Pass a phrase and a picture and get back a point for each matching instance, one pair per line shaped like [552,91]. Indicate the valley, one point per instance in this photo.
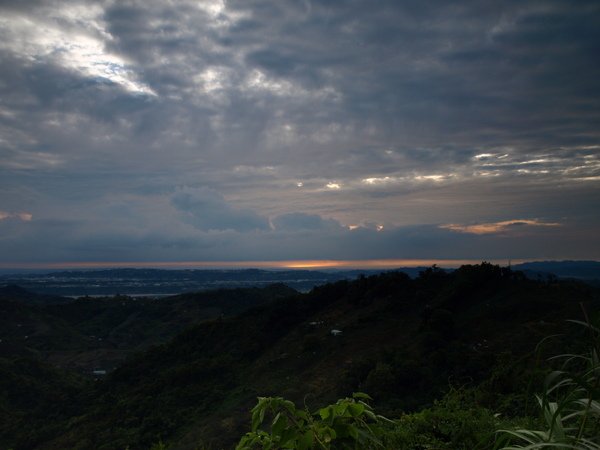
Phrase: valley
[185,370]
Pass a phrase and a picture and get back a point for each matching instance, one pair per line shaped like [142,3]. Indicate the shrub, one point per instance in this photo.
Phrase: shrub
[570,404]
[456,422]
[350,423]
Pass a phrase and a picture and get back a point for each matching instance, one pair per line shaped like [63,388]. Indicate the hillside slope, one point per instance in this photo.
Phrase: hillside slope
[403,341]
[48,350]
[99,333]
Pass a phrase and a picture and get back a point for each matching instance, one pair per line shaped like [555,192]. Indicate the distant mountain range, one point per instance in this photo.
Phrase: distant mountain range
[582,270]
[185,370]
[162,282]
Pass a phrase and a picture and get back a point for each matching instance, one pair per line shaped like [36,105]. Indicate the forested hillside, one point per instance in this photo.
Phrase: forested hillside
[406,342]
[98,333]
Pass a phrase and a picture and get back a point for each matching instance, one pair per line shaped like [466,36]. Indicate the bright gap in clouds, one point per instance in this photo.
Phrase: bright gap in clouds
[80,47]
[23,216]
[497,227]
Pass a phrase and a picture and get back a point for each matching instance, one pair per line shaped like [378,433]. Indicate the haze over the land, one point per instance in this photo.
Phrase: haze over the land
[153,131]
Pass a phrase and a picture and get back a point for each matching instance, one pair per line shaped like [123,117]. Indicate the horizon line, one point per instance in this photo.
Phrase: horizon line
[284,264]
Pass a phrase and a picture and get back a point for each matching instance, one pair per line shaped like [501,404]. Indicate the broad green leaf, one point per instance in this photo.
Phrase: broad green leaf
[279,424]
[289,406]
[289,436]
[329,434]
[356,409]
[325,412]
[361,395]
[353,432]
[306,441]
[302,414]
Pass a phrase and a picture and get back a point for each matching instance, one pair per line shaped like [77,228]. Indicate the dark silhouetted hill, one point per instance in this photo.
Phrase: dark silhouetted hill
[582,270]
[98,333]
[402,340]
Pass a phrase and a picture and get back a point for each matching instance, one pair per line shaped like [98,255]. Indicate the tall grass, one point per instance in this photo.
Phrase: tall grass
[570,403]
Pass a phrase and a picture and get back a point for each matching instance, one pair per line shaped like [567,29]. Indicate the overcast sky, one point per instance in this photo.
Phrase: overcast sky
[249,130]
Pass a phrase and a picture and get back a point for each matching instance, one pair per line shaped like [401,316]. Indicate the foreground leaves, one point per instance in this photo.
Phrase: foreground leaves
[570,403]
[350,423]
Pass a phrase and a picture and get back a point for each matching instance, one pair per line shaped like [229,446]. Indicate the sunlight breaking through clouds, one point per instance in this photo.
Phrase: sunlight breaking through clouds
[379,180]
[80,46]
[165,129]
[497,227]
[26,160]
[220,15]
[412,178]
[212,79]
[575,163]
[259,81]
[435,178]
[23,216]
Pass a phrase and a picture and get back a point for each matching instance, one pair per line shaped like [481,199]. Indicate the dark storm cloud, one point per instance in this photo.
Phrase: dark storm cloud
[301,221]
[207,210]
[79,242]
[259,125]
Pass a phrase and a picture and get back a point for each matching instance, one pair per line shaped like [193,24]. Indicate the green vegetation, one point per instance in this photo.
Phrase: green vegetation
[450,357]
[100,333]
[456,422]
[570,403]
[350,423]
[453,423]
[35,400]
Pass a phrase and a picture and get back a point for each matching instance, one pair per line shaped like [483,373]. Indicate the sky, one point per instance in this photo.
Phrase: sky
[260,130]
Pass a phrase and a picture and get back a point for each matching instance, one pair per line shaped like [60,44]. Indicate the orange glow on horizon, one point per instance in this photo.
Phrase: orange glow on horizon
[293,264]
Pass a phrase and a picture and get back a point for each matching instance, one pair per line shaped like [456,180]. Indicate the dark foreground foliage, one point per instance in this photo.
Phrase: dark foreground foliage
[468,339]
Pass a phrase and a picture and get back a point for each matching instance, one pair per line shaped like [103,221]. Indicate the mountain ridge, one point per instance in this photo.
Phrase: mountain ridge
[167,282]
[402,340]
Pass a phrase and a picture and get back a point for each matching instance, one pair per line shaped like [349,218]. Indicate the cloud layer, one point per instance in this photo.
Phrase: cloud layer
[232,130]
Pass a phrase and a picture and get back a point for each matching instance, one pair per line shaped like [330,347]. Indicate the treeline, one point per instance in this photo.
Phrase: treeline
[440,346]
